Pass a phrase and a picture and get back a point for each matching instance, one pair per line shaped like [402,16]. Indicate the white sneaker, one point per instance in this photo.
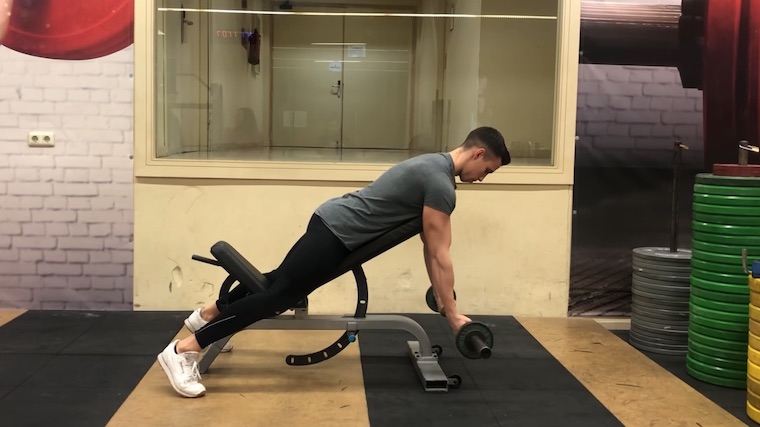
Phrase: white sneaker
[194,322]
[182,370]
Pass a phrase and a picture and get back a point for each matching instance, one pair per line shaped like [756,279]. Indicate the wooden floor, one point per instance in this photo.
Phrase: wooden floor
[568,371]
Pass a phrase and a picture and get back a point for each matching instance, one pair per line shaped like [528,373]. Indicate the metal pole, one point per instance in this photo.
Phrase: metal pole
[677,147]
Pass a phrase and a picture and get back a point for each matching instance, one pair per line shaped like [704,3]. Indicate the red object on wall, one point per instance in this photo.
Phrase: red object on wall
[720,102]
[70,29]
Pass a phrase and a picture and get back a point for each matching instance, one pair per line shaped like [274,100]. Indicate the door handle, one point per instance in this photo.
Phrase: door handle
[336,89]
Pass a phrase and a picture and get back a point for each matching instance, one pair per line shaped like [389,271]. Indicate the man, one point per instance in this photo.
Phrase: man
[423,186]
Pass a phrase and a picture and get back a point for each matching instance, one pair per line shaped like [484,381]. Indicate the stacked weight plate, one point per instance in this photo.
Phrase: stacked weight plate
[660,300]
[726,219]
[753,351]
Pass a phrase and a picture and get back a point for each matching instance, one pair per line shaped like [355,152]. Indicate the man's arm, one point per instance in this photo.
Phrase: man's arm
[436,230]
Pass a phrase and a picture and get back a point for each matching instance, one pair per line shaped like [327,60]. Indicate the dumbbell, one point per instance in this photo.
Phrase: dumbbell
[475,340]
[430,299]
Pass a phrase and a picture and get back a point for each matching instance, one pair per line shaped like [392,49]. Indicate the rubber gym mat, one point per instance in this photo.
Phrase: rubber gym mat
[520,385]
[732,400]
[76,368]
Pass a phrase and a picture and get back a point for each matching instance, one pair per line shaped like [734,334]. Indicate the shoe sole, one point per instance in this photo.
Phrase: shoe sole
[227,347]
[171,379]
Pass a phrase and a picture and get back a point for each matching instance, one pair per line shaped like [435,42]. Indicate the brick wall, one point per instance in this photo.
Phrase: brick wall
[629,116]
[66,211]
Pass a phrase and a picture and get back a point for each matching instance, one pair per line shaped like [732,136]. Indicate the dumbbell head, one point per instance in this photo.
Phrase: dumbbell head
[474,340]
[430,299]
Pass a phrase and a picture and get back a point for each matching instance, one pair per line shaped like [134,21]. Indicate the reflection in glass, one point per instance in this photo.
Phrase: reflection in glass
[372,81]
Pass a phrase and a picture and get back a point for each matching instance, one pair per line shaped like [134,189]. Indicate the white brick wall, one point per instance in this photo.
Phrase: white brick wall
[629,116]
[66,211]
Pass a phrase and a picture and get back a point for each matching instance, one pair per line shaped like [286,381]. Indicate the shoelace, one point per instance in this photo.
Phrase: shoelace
[194,374]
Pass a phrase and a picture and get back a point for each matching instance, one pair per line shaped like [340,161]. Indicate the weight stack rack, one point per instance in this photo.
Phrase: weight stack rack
[753,351]
[726,220]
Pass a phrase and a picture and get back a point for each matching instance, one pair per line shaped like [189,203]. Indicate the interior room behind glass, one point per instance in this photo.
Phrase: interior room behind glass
[362,81]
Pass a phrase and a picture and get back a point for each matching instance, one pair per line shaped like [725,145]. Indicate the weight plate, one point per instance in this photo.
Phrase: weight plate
[648,306]
[725,219]
[753,370]
[654,339]
[719,258]
[661,269]
[665,313]
[737,346]
[661,279]
[719,324]
[716,370]
[753,355]
[710,285]
[753,399]
[680,304]
[719,306]
[715,380]
[754,312]
[729,169]
[70,30]
[717,352]
[727,190]
[736,201]
[741,241]
[718,315]
[716,361]
[708,178]
[726,249]
[660,284]
[717,333]
[467,333]
[739,230]
[753,340]
[724,210]
[729,279]
[657,327]
[660,318]
[720,296]
[662,254]
[753,413]
[754,297]
[666,350]
[754,286]
[753,384]
[754,327]
[714,267]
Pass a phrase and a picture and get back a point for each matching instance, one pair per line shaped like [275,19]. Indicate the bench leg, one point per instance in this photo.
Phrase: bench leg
[209,355]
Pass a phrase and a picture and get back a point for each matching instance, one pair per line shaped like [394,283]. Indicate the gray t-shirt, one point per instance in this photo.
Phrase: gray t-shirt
[396,197]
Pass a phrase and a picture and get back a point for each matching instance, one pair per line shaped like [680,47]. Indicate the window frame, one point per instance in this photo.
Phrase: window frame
[147,165]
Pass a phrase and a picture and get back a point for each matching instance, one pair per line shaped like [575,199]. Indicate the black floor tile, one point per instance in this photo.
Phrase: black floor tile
[77,371]
[17,368]
[509,389]
[4,391]
[61,407]
[47,332]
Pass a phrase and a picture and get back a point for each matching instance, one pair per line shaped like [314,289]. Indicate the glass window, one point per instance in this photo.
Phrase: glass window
[369,81]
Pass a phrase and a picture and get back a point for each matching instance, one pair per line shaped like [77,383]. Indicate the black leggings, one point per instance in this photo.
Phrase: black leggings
[306,267]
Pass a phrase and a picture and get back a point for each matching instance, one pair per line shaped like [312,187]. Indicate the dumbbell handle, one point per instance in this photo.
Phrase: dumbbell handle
[476,343]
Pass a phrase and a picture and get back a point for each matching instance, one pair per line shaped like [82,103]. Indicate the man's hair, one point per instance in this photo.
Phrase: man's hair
[490,139]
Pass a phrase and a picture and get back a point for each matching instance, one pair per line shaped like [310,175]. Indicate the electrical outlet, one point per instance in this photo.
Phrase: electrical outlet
[41,139]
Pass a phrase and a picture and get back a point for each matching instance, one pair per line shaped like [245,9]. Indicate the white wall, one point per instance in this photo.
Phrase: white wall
[66,211]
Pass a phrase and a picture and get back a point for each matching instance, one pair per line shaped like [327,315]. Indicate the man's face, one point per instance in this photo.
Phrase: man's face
[479,166]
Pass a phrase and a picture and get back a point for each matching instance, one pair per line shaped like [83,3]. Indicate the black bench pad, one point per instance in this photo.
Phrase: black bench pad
[235,264]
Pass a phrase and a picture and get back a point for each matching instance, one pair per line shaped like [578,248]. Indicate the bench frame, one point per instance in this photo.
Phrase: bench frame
[421,352]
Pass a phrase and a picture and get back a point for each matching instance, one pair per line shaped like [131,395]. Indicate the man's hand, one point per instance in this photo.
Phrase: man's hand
[456,321]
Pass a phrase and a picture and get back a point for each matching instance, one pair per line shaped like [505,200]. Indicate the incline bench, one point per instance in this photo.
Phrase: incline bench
[424,357]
